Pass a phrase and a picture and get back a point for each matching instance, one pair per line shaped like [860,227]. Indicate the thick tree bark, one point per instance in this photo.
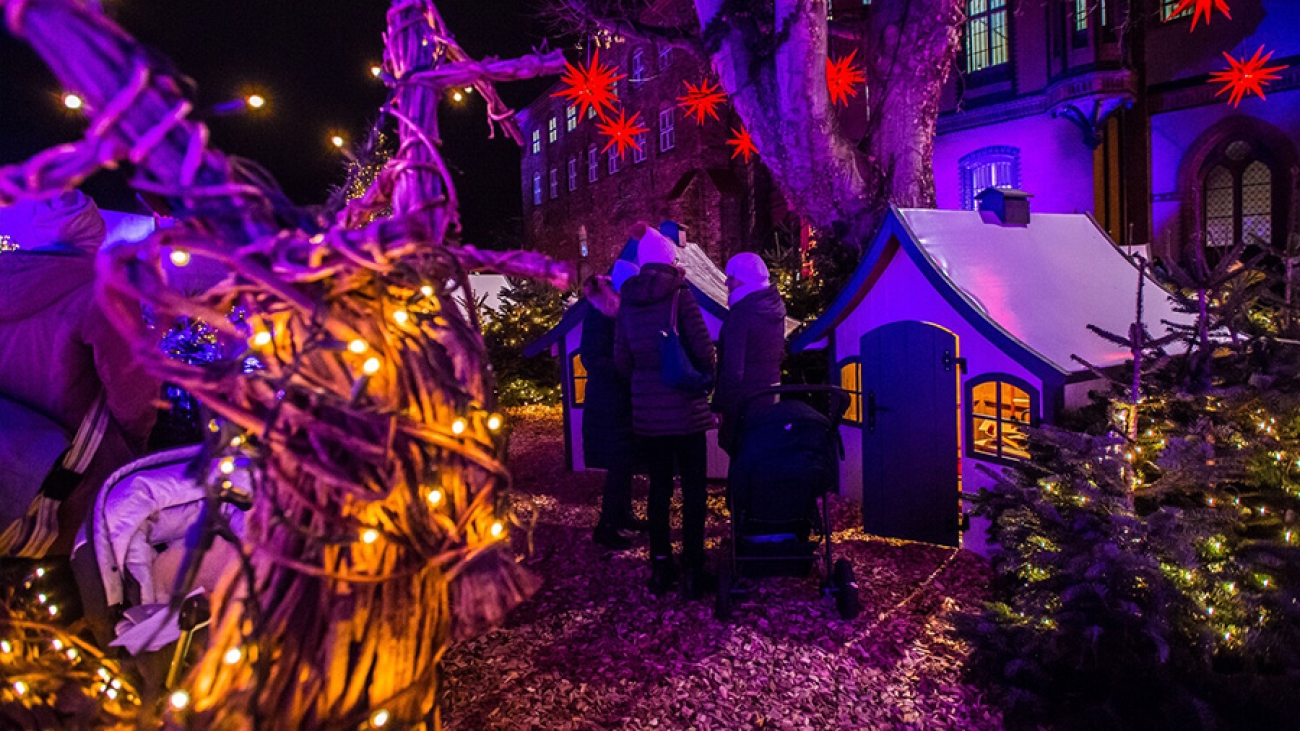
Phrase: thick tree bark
[781,96]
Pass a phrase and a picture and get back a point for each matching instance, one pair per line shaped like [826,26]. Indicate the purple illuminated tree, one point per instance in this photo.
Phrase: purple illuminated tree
[771,60]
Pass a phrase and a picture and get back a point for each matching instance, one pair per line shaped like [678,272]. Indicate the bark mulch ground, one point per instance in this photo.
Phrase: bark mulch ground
[595,650]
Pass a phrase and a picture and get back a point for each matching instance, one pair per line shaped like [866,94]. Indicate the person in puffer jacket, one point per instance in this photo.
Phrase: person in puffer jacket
[671,422]
[751,343]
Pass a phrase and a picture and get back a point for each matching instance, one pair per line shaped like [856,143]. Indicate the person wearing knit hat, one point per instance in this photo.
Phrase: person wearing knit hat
[607,439]
[751,343]
[58,352]
[670,420]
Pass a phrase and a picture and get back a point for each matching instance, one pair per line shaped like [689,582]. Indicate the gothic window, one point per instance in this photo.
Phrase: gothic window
[986,34]
[999,408]
[989,167]
[1237,196]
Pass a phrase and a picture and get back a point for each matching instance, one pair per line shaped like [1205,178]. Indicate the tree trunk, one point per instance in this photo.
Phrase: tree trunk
[781,95]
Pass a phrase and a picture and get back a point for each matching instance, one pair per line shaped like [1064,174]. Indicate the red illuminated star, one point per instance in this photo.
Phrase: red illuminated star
[1203,7]
[743,143]
[1243,77]
[621,131]
[842,77]
[590,87]
[701,100]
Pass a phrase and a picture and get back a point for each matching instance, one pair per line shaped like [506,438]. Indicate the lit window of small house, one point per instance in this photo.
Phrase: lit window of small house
[578,393]
[986,34]
[850,375]
[988,167]
[537,141]
[667,131]
[638,68]
[573,174]
[613,159]
[1000,406]
[570,118]
[537,189]
[638,152]
[1169,6]
[593,164]
[552,130]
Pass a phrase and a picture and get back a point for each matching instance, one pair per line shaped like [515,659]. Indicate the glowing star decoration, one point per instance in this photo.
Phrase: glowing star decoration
[743,143]
[1203,7]
[842,77]
[1242,77]
[590,88]
[701,100]
[622,131]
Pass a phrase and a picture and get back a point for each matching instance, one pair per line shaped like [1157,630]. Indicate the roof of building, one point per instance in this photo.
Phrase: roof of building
[706,280]
[1031,289]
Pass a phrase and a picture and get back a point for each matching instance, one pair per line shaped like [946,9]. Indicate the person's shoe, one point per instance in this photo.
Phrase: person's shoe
[698,583]
[631,522]
[662,575]
[608,536]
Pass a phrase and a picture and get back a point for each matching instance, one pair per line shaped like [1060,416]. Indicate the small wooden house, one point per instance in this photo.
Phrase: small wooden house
[955,332]
[709,285]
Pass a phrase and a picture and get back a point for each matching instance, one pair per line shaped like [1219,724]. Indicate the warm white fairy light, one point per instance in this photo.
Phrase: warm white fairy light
[72,654]
[111,693]
[337,141]
[497,529]
[54,610]
[5,647]
[400,317]
[226,465]
[213,426]
[256,101]
[458,426]
[379,718]
[20,687]
[261,339]
[233,655]
[494,422]
[369,535]
[358,346]
[435,497]
[73,101]
[371,366]
[179,699]
[40,571]
[426,290]
[57,644]
[42,598]
[376,71]
[180,257]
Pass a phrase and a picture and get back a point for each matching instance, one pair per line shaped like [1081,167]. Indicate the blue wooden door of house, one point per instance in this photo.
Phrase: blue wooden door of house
[910,423]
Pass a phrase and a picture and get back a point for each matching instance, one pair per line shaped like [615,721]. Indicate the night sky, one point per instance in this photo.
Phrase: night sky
[311,59]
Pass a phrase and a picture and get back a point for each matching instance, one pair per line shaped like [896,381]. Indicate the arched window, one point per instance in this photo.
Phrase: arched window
[998,407]
[578,374]
[850,379]
[988,167]
[1239,197]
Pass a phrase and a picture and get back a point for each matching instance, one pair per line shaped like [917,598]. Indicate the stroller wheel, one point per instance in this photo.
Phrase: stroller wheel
[722,605]
[846,589]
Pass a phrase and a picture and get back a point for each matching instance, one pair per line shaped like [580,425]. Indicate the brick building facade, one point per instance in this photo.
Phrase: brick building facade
[579,200]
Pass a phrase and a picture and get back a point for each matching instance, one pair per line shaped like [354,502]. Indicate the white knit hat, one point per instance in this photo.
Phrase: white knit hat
[655,248]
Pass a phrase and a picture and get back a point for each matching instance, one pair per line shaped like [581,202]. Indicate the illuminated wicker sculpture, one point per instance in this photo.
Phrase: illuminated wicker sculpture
[354,385]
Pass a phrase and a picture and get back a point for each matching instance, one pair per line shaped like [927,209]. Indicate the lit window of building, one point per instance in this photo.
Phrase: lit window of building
[988,167]
[986,34]
[1001,406]
[570,118]
[537,141]
[552,130]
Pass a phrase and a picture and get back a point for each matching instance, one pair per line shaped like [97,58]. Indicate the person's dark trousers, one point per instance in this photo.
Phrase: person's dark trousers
[688,453]
[616,501]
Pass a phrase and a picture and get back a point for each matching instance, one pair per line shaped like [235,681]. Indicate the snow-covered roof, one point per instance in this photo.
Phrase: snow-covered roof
[1040,284]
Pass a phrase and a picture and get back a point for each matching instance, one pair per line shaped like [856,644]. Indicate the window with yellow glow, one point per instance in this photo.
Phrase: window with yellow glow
[851,381]
[1000,407]
[579,390]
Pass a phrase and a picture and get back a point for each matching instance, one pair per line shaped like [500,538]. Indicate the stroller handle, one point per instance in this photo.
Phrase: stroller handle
[839,398]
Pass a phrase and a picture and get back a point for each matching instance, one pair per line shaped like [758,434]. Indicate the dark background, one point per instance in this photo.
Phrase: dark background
[311,59]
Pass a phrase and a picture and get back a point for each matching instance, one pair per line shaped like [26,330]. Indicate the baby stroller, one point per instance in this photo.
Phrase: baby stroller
[788,457]
[135,548]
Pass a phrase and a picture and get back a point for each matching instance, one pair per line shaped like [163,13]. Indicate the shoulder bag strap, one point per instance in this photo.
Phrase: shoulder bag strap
[672,316]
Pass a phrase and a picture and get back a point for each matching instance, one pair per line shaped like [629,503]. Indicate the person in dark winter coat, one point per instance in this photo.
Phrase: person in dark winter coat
[671,422]
[607,439]
[58,350]
[750,344]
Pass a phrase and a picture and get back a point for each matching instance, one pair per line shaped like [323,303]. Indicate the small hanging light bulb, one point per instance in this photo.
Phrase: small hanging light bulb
[40,571]
[371,366]
[20,687]
[358,346]
[337,141]
[73,101]
[261,339]
[426,290]
[497,529]
[458,426]
[57,644]
[400,317]
[256,101]
[237,440]
[379,718]
[179,699]
[369,535]
[375,71]
[54,610]
[233,656]
[180,257]
[213,426]
[5,647]
[42,598]
[72,654]
[494,422]
[111,693]
[226,465]
[435,497]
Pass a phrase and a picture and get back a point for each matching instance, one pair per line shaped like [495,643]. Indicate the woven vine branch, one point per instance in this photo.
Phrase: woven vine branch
[353,383]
